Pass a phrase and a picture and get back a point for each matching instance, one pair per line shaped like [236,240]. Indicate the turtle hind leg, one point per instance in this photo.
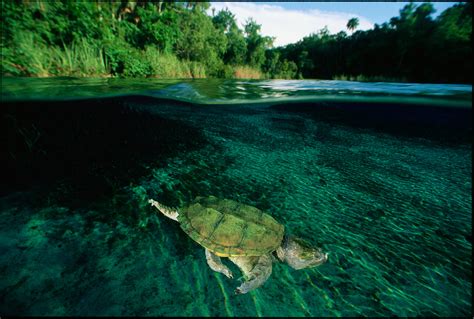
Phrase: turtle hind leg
[165,210]
[256,272]
[215,263]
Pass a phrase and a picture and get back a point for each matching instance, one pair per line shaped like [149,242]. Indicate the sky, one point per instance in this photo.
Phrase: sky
[289,22]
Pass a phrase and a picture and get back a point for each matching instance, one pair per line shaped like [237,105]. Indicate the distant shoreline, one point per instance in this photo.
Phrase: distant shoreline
[180,40]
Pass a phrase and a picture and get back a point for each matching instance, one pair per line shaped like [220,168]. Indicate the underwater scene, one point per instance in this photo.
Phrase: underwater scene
[377,175]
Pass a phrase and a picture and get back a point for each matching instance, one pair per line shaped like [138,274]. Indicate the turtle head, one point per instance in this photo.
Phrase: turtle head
[299,254]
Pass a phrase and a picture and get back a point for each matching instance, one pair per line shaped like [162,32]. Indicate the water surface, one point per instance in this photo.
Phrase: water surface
[377,174]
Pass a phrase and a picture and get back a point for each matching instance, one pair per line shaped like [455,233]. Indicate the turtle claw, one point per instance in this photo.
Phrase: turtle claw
[229,274]
[238,291]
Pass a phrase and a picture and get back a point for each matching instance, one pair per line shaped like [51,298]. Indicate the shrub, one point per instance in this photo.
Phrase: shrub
[124,60]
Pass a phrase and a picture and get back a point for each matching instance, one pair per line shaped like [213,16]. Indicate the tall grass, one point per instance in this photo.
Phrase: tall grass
[167,65]
[246,72]
[164,65]
[81,58]
[32,57]
[197,69]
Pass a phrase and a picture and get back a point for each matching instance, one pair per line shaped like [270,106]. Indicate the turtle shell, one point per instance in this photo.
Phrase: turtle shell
[228,228]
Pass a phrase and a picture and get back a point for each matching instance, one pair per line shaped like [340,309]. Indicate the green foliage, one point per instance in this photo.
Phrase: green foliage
[127,61]
[170,39]
[256,44]
[166,65]
[201,41]
[227,72]
[352,24]
[197,69]
[29,57]
[159,29]
[411,47]
[275,68]
[224,20]
[236,49]
[452,42]
[32,57]
[79,59]
[455,23]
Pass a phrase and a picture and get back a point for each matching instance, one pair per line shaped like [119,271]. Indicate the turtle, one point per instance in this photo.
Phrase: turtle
[249,237]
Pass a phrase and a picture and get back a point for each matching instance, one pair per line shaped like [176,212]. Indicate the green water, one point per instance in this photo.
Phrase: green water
[377,174]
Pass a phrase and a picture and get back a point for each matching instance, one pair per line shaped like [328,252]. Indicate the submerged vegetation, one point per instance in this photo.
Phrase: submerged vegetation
[182,40]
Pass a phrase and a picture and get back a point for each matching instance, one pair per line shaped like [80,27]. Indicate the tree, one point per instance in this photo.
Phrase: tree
[224,20]
[236,49]
[451,43]
[175,38]
[155,28]
[200,41]
[256,43]
[352,24]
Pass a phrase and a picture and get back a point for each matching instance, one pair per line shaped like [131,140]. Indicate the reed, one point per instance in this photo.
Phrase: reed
[197,69]
[246,72]
[81,58]
[32,56]
[167,65]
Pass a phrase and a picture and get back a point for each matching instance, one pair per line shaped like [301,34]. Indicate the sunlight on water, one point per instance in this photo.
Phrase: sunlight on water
[389,200]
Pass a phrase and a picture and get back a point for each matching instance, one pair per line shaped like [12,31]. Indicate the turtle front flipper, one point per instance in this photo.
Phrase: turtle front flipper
[256,271]
[165,210]
[216,264]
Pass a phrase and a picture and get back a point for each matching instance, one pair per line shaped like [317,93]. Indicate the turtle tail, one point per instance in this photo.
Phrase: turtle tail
[165,210]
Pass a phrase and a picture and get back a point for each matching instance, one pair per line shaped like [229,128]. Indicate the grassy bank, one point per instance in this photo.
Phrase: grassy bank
[85,59]
[165,39]
[30,57]
[126,39]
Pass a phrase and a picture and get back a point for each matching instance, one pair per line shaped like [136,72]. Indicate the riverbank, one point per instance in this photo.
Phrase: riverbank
[85,59]
[177,40]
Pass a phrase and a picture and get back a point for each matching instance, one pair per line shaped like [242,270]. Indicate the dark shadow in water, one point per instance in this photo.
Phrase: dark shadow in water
[442,124]
[93,145]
